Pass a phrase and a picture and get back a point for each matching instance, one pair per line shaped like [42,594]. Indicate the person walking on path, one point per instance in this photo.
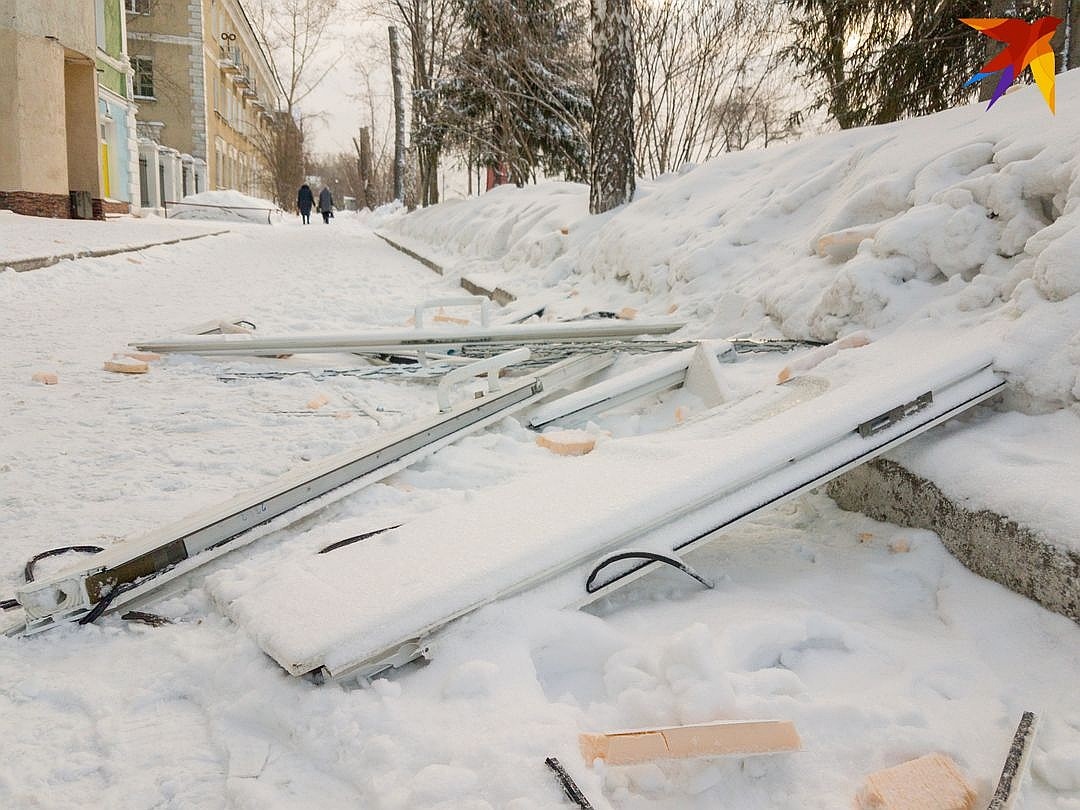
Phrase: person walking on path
[326,204]
[304,200]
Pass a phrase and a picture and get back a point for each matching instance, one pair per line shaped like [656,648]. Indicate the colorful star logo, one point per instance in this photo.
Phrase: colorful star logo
[1025,44]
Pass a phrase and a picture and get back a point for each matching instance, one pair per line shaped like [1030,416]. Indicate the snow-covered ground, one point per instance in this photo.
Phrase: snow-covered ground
[24,237]
[967,218]
[876,642]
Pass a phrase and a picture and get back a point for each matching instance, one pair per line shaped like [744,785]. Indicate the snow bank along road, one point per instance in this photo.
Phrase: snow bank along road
[877,655]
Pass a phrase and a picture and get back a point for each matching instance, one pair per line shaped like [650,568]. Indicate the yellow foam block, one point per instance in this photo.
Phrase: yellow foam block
[126,365]
[707,739]
[931,782]
[567,442]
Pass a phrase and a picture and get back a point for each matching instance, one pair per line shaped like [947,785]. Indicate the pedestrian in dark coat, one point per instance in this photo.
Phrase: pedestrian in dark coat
[304,200]
[326,204]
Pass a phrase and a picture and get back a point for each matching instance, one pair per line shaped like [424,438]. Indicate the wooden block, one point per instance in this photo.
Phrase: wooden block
[865,537]
[931,782]
[627,314]
[900,545]
[707,739]
[318,402]
[45,378]
[126,365]
[567,442]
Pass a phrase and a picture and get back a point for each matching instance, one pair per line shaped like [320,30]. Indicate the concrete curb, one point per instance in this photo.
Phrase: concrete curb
[991,545]
[412,254]
[498,295]
[23,265]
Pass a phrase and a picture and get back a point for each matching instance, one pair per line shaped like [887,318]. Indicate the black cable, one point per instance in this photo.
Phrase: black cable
[103,603]
[648,556]
[350,540]
[8,604]
[28,570]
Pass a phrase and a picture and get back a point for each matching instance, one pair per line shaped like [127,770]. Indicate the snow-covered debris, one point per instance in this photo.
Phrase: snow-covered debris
[964,216]
[967,217]
[226,206]
[877,657]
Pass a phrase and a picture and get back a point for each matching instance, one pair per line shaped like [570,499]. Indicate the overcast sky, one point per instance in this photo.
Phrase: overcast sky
[335,100]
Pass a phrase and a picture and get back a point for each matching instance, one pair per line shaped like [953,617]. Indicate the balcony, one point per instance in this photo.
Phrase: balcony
[229,59]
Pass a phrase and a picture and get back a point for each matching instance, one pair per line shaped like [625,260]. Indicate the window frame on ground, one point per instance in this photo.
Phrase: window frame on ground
[137,6]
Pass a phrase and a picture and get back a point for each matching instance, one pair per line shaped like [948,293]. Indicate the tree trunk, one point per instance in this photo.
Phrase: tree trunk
[612,169]
[399,117]
[1066,41]
[363,165]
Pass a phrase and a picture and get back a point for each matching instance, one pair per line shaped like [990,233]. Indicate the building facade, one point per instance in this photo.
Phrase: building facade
[49,136]
[206,97]
[116,110]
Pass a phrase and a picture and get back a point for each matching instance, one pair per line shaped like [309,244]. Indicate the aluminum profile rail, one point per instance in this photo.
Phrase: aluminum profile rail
[398,340]
[660,375]
[752,480]
[134,567]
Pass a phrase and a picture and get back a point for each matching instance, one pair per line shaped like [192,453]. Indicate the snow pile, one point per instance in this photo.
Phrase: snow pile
[965,216]
[226,206]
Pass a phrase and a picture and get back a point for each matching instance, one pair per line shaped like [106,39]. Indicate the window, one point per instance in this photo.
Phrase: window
[137,6]
[99,14]
[144,76]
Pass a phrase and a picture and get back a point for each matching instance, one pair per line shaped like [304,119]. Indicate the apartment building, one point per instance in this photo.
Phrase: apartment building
[207,98]
[65,109]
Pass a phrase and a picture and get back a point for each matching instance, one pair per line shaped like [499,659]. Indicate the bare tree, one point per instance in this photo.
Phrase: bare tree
[399,116]
[704,70]
[371,66]
[430,30]
[612,179]
[296,36]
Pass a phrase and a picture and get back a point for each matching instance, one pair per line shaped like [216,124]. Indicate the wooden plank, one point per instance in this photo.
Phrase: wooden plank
[741,738]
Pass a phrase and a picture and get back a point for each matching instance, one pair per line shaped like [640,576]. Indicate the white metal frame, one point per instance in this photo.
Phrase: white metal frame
[708,517]
[147,562]
[399,340]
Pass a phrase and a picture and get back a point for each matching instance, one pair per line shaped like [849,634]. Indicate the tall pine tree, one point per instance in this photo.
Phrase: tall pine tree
[517,95]
[876,61]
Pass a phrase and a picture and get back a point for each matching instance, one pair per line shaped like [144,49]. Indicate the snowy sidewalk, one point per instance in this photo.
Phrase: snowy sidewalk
[871,638]
[31,243]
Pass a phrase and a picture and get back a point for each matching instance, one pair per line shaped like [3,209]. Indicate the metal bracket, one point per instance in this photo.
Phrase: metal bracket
[489,365]
[459,301]
[891,417]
